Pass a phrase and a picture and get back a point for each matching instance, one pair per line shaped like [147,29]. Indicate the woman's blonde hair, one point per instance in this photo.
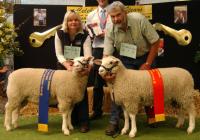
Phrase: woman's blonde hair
[65,20]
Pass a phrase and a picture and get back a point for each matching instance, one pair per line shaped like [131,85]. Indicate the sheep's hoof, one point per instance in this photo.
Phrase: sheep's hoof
[124,131]
[15,125]
[71,127]
[190,130]
[66,132]
[132,134]
[8,128]
[179,125]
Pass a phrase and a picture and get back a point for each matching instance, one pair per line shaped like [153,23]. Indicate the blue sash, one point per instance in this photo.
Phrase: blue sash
[44,100]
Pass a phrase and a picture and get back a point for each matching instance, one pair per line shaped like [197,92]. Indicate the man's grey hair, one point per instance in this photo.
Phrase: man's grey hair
[116,5]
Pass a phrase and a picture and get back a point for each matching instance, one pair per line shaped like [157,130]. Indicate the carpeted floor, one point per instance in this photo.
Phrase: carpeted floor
[28,130]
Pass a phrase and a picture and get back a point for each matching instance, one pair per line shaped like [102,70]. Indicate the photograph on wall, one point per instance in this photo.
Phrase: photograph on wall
[39,17]
[180,14]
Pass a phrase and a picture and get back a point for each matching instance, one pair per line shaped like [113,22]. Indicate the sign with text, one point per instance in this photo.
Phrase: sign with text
[71,52]
[82,11]
[146,10]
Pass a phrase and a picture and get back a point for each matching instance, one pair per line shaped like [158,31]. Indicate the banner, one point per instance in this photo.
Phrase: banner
[82,11]
[146,10]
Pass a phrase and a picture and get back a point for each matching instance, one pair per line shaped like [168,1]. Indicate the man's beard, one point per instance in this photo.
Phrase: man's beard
[118,25]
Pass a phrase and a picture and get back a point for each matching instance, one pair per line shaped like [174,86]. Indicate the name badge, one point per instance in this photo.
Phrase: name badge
[128,50]
[70,52]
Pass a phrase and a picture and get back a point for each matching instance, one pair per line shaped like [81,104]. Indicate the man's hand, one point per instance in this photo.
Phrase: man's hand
[4,69]
[68,65]
[145,66]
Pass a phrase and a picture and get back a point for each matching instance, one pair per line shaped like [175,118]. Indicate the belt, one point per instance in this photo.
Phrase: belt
[138,57]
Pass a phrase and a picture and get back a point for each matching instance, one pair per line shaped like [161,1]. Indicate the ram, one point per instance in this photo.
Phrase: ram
[132,88]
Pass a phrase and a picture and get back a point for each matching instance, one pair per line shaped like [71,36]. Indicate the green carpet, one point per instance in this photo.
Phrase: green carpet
[165,131]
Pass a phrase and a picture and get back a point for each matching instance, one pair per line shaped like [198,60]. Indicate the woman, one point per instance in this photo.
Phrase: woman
[69,42]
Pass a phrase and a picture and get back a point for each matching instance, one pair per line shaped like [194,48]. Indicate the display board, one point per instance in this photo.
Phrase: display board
[165,13]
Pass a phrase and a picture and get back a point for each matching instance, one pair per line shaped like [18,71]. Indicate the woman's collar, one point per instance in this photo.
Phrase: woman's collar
[79,32]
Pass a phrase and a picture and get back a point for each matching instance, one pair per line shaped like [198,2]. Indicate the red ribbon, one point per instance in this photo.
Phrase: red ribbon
[158,93]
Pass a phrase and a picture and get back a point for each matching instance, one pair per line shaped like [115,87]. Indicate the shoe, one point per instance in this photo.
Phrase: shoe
[112,129]
[95,116]
[84,128]
[153,125]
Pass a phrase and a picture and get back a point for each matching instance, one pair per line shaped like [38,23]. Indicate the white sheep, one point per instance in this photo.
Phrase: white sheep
[67,88]
[132,88]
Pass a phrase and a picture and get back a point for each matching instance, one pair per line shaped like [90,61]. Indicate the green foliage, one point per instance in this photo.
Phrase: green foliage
[8,43]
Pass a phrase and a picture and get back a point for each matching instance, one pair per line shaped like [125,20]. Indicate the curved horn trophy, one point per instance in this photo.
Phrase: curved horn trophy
[36,39]
[183,36]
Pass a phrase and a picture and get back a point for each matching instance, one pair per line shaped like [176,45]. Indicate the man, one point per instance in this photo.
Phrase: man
[134,40]
[96,23]
[5,71]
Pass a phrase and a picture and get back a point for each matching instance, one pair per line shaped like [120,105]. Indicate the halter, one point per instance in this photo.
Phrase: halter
[109,70]
[85,65]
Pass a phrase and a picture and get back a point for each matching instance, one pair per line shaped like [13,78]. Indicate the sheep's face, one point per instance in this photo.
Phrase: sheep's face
[81,63]
[109,66]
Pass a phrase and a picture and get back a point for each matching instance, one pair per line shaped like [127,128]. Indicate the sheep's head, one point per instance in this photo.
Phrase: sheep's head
[109,67]
[82,64]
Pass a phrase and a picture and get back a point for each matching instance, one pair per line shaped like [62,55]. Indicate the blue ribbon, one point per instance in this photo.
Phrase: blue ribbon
[44,100]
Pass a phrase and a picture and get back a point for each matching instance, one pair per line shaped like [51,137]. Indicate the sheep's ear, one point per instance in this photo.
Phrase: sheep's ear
[97,61]
[90,58]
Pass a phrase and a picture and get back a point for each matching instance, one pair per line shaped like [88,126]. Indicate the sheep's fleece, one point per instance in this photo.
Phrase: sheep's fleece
[67,88]
[134,87]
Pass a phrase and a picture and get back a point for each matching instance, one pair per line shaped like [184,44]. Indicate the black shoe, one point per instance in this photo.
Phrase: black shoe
[153,125]
[112,129]
[84,128]
[95,116]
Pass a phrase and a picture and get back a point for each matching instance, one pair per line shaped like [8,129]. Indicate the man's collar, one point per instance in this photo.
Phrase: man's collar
[100,8]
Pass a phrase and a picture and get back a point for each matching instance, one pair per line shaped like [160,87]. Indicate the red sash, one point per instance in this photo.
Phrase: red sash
[158,93]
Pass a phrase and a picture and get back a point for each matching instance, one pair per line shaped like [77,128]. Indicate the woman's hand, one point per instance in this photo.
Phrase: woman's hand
[68,65]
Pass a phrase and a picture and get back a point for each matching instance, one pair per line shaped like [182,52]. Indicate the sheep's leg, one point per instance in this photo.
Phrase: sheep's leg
[64,125]
[64,109]
[8,115]
[126,122]
[181,119]
[192,114]
[15,116]
[69,119]
[133,125]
